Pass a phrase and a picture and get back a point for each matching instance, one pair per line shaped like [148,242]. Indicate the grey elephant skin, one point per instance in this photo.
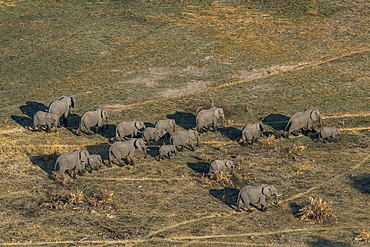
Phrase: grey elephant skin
[302,120]
[62,107]
[253,194]
[151,134]
[95,161]
[93,118]
[221,165]
[166,150]
[251,132]
[279,134]
[47,119]
[208,118]
[130,128]
[329,133]
[166,124]
[181,137]
[123,149]
[76,160]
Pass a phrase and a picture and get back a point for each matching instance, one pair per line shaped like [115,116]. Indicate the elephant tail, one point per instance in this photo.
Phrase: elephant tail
[287,127]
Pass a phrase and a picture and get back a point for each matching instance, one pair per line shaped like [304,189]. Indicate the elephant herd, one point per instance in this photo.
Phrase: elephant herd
[79,160]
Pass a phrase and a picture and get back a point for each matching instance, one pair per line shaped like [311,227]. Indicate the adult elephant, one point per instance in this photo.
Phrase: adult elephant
[122,149]
[207,118]
[302,120]
[93,118]
[130,128]
[76,160]
[62,108]
[181,137]
[166,124]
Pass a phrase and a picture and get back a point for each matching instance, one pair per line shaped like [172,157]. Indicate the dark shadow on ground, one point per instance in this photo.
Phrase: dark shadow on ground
[276,121]
[199,167]
[46,162]
[227,195]
[320,241]
[183,119]
[31,107]
[361,182]
[231,133]
[152,150]
[294,209]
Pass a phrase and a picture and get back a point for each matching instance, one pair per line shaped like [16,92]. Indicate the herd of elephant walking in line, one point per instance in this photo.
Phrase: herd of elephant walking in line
[79,160]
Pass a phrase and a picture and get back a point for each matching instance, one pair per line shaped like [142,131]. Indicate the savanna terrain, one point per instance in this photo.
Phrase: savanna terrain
[261,61]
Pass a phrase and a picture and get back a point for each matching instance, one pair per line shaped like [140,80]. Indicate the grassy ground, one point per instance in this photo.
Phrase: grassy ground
[261,61]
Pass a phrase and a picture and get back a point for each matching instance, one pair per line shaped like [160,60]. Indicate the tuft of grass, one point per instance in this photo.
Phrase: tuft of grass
[364,234]
[206,158]
[319,211]
[76,197]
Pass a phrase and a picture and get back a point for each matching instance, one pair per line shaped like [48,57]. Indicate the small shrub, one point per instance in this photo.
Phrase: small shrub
[206,158]
[363,235]
[107,196]
[319,211]
[77,197]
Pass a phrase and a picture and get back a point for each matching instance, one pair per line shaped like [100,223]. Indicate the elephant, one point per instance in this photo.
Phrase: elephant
[122,149]
[279,134]
[42,118]
[330,132]
[166,150]
[250,133]
[94,161]
[128,129]
[253,194]
[153,134]
[207,118]
[221,165]
[303,119]
[166,124]
[76,160]
[62,107]
[93,118]
[181,137]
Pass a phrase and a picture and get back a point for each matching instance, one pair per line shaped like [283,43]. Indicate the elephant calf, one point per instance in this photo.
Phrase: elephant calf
[95,161]
[221,165]
[76,160]
[166,150]
[253,194]
[330,133]
[42,118]
[250,133]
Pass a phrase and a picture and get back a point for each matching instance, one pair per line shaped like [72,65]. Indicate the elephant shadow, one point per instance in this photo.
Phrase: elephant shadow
[361,182]
[276,121]
[231,133]
[183,119]
[152,151]
[227,195]
[320,241]
[46,162]
[29,109]
[199,167]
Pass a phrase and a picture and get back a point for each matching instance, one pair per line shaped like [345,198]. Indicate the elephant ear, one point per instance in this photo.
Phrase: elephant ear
[314,114]
[216,113]
[266,190]
[73,102]
[261,127]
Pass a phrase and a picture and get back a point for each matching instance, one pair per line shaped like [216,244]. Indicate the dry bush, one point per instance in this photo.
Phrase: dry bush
[270,141]
[319,211]
[363,235]
[76,197]
[217,177]
[107,196]
[206,158]
[299,168]
[297,149]
[228,123]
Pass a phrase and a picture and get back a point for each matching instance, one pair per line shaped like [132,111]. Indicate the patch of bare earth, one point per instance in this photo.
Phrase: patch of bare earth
[190,88]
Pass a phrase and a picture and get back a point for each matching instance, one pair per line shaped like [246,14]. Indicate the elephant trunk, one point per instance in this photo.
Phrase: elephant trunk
[277,199]
[197,141]
[320,121]
[144,150]
[223,122]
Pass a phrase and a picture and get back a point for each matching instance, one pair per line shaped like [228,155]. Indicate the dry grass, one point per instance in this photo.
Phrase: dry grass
[363,235]
[206,158]
[319,211]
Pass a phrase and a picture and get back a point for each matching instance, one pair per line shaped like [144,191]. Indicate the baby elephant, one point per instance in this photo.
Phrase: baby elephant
[253,194]
[166,150]
[221,165]
[42,118]
[330,133]
[95,161]
[279,134]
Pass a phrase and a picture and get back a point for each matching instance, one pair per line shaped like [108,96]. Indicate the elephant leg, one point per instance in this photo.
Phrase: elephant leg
[64,121]
[169,155]
[96,129]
